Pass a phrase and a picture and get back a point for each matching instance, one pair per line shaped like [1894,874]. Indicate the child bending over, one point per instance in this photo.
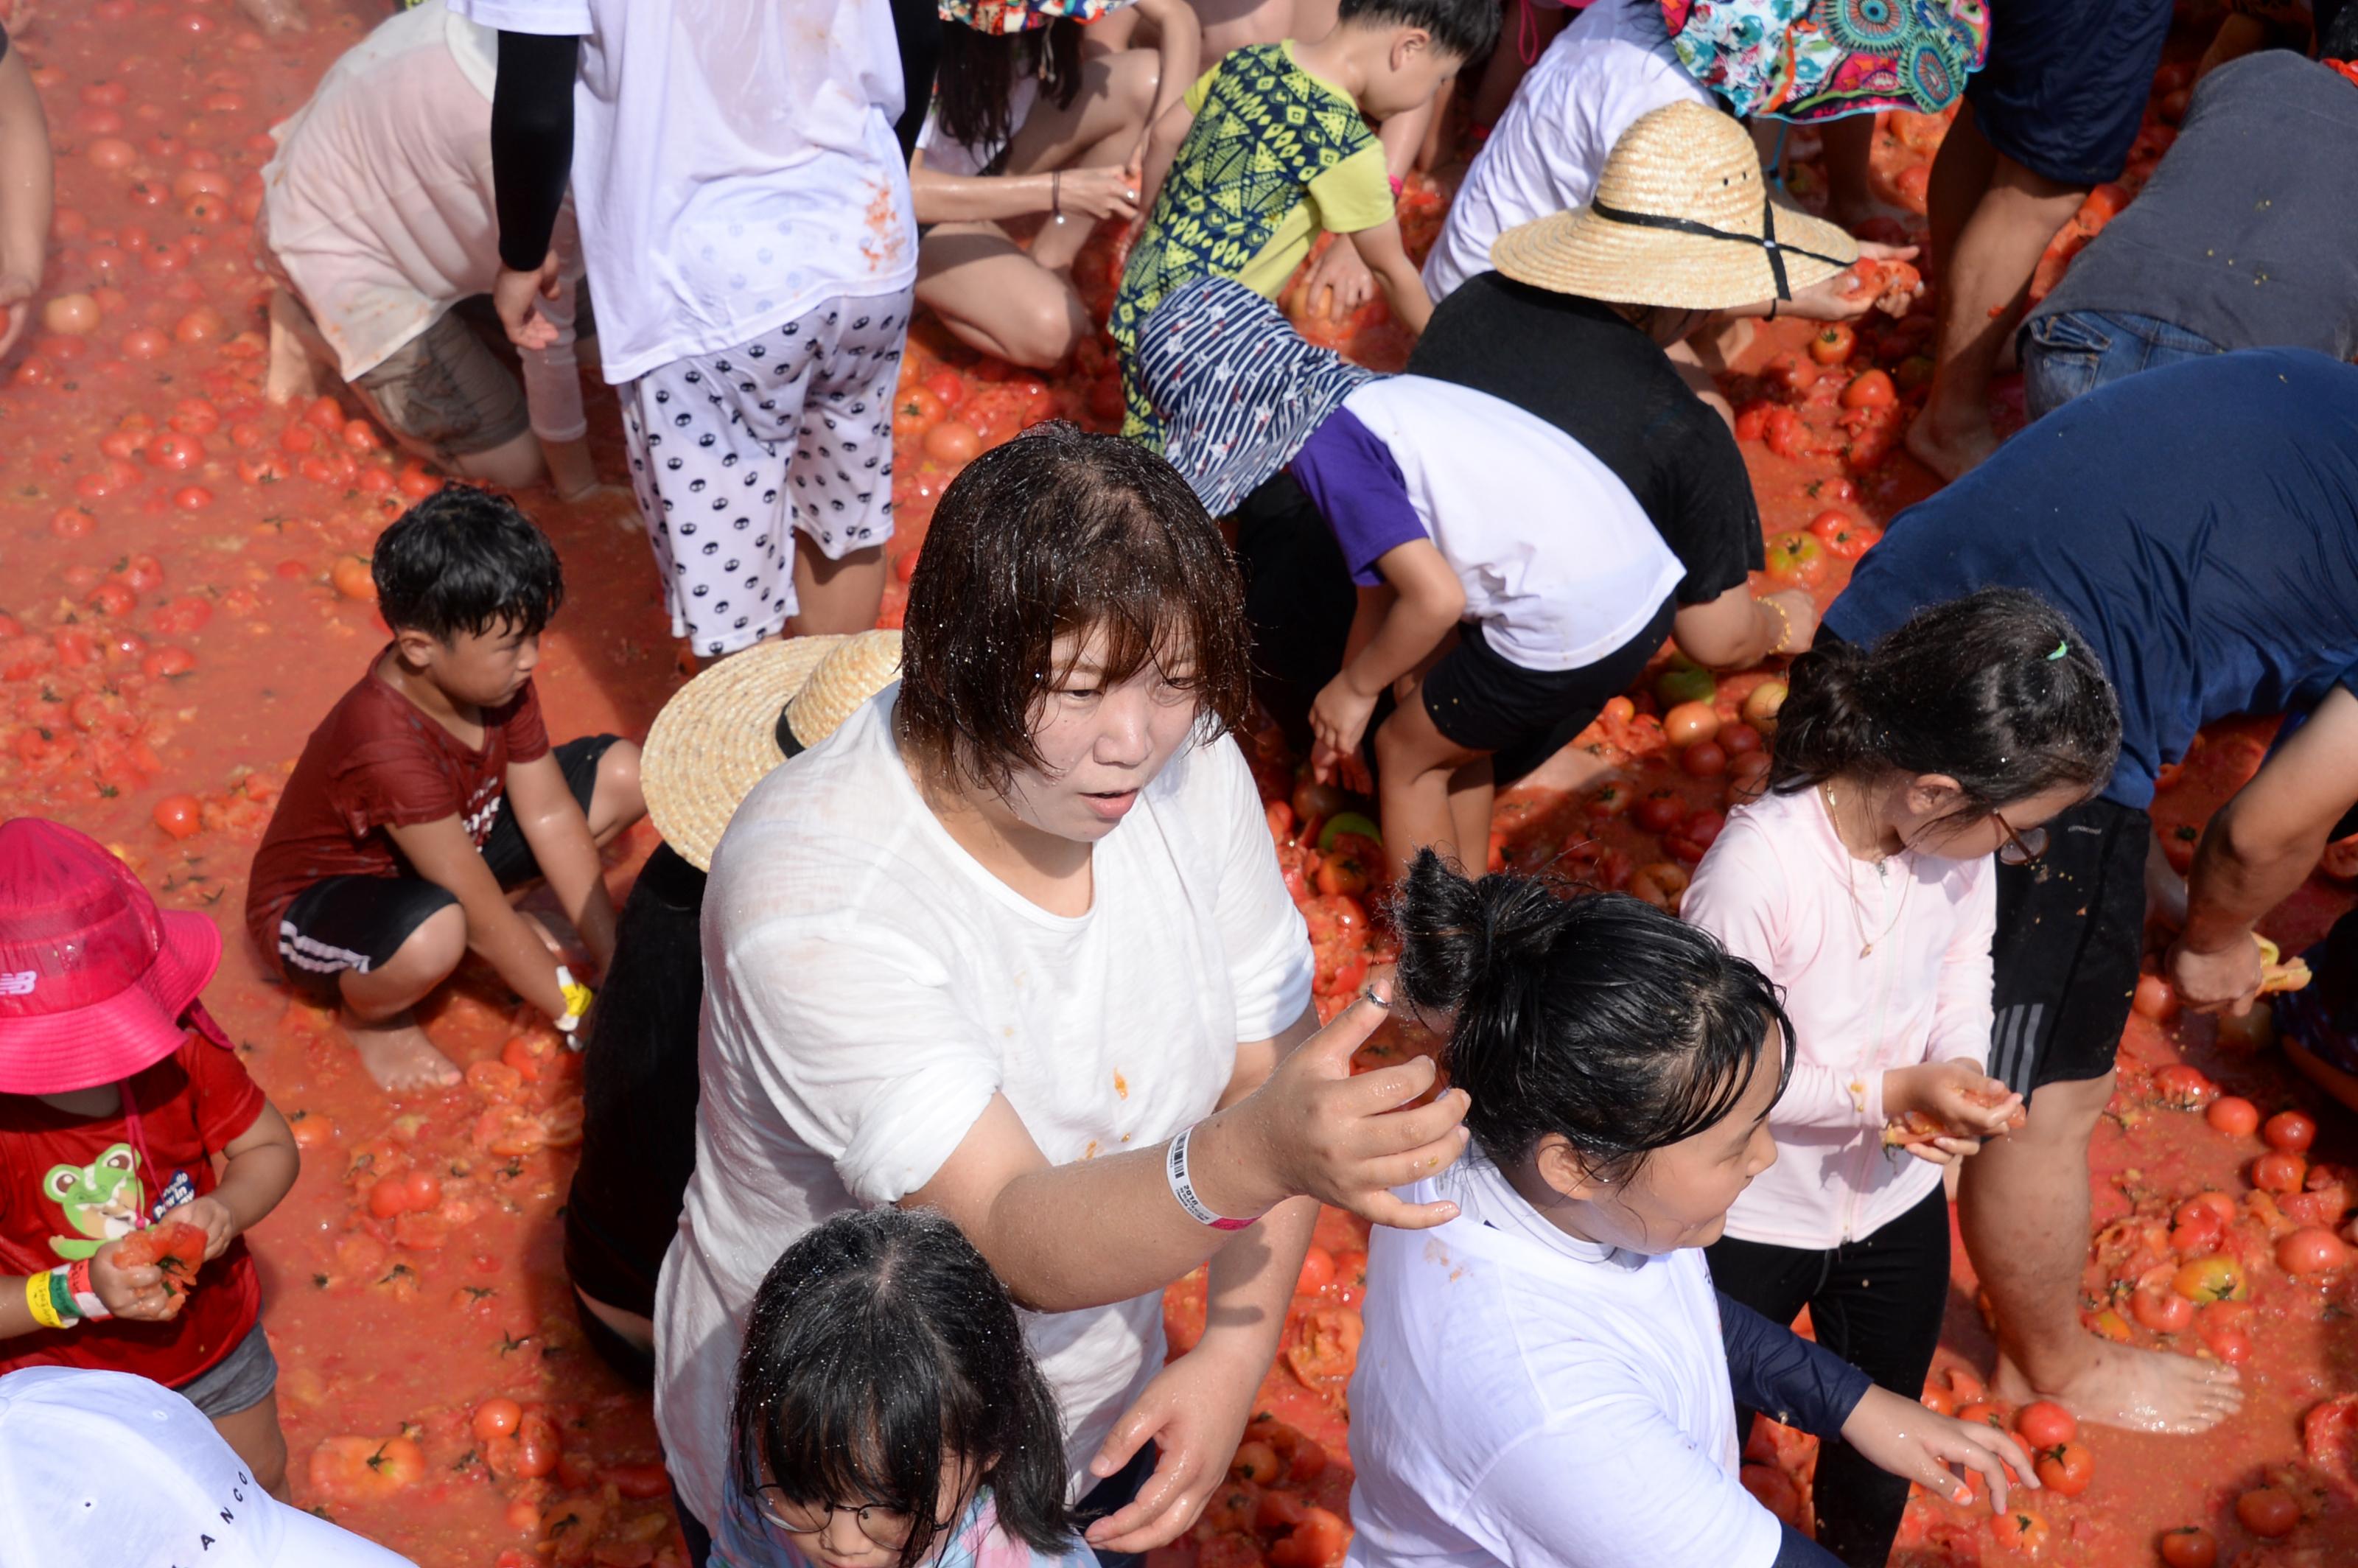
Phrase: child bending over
[430,792]
[123,1105]
[1268,148]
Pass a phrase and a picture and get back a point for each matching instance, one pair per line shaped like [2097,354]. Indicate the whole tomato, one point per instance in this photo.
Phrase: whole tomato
[1870,389]
[2289,1130]
[2217,1278]
[915,412]
[1797,560]
[2067,1468]
[1844,537]
[2043,1424]
[2188,1546]
[2280,1172]
[2177,1086]
[1831,344]
[2268,1511]
[2019,1530]
[2233,1115]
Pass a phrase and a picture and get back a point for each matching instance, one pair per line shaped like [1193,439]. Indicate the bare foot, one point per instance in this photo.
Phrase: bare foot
[291,374]
[1950,452]
[399,1056]
[2139,1390]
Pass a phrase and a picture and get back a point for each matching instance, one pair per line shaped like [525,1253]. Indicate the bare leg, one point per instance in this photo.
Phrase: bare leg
[615,800]
[1101,128]
[994,298]
[2024,1213]
[837,595]
[254,1436]
[1700,381]
[1420,791]
[514,464]
[1986,261]
[392,1046]
[1850,188]
[1471,794]
[1507,68]
[297,352]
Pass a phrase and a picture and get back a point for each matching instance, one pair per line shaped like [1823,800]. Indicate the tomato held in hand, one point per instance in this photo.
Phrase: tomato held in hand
[2268,1511]
[2188,1546]
[2289,1130]
[2043,1424]
[2233,1115]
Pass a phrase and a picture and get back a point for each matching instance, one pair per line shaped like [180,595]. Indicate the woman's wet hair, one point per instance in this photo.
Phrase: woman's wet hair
[1060,532]
[974,90]
[1596,1017]
[879,1351]
[1997,690]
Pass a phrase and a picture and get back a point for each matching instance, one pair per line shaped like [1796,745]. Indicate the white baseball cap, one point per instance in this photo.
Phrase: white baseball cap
[105,1470]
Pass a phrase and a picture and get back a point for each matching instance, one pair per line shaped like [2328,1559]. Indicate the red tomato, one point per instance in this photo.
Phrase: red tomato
[1690,722]
[113,599]
[2177,847]
[2289,1130]
[2233,1115]
[917,412]
[1791,372]
[422,1190]
[2311,1249]
[953,444]
[2188,1546]
[2279,1173]
[2156,1000]
[2162,1311]
[1328,1349]
[1256,1462]
[1982,1413]
[351,578]
[1797,560]
[1784,433]
[1321,1540]
[2043,1424]
[192,498]
[2067,1468]
[388,1198]
[180,815]
[1833,342]
[2019,1530]
[2268,1511]
[1317,1271]
[1704,760]
[1870,389]
[2179,1085]
[1661,811]
[496,1417]
[948,385]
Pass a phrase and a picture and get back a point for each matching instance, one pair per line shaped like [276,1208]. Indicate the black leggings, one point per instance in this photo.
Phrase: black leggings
[1875,1302]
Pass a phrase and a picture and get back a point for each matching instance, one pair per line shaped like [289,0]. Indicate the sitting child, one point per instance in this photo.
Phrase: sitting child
[1549,1378]
[429,793]
[887,1411]
[1485,534]
[1268,147]
[123,1105]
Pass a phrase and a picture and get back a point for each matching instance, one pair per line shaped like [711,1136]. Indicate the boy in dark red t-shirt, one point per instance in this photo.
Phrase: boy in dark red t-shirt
[430,792]
[117,1093]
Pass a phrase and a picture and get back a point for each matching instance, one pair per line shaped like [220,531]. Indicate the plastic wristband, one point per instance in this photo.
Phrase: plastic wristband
[577,998]
[85,1294]
[1399,185]
[1175,1166]
[37,1302]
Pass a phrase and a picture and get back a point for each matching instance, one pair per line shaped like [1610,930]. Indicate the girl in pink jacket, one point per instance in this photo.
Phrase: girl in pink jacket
[1861,884]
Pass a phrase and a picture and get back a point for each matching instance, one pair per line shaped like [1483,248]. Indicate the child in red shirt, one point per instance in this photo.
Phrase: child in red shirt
[430,792]
[118,1094]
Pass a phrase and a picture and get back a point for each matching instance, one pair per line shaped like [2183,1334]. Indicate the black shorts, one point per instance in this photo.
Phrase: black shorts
[1485,702]
[2071,930]
[355,924]
[2065,90]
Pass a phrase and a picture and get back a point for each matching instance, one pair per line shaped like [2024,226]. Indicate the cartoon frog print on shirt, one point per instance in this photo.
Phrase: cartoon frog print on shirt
[103,1200]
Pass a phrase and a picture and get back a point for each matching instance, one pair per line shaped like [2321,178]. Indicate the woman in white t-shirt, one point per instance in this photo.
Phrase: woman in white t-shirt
[1548,1381]
[1029,124]
[1012,943]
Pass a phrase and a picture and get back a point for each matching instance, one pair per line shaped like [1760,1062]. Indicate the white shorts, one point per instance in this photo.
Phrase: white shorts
[732,453]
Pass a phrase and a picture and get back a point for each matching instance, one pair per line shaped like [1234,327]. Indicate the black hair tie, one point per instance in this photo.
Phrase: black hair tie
[1766,240]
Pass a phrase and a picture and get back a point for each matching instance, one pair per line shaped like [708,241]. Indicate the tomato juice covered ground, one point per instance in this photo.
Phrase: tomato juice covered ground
[185,594]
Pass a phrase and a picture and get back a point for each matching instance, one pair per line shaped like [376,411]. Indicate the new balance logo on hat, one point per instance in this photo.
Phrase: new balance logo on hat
[18,982]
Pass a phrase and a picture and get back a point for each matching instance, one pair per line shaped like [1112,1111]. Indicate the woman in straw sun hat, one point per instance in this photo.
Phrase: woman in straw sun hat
[1010,944]
[715,740]
[1574,325]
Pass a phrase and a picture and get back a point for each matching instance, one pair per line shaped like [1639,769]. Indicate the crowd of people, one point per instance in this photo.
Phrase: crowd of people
[892,1142]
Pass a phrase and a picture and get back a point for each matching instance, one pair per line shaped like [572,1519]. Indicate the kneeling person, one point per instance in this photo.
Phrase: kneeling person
[430,792]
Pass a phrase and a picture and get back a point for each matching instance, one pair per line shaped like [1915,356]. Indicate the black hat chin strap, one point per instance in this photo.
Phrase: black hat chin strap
[1766,239]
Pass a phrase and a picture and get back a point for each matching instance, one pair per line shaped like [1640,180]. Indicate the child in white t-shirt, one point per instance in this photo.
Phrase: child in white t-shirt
[745,221]
[1862,885]
[1548,1380]
[1460,514]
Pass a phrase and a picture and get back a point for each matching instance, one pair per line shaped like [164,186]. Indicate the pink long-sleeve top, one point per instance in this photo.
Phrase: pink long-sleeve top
[1779,889]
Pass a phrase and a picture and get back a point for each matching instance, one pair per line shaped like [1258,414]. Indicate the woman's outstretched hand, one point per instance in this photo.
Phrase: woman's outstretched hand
[1901,1436]
[1313,1129]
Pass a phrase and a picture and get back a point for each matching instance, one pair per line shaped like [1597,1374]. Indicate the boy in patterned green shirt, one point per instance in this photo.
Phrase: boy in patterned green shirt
[1270,147]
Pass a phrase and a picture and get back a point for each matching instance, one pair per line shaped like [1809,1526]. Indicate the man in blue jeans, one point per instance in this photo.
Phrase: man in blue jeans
[2198,525]
[2247,237]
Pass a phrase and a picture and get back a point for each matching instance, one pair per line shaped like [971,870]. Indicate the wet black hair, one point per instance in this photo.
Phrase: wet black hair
[464,559]
[1973,688]
[1061,530]
[974,87]
[2340,39]
[1467,28]
[878,1345]
[1597,1016]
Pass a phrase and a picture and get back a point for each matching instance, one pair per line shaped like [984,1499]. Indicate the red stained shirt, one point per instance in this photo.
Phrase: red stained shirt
[376,761]
[70,1184]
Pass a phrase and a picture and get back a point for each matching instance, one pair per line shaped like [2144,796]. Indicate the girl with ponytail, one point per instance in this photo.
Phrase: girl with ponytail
[1861,884]
[1549,1379]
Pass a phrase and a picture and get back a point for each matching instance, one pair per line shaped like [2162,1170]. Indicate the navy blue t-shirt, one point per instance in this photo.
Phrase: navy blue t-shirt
[2197,524]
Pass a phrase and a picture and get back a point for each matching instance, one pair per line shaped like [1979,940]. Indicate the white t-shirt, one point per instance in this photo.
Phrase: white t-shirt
[733,164]
[946,157]
[1559,562]
[1610,68]
[1526,1399]
[869,987]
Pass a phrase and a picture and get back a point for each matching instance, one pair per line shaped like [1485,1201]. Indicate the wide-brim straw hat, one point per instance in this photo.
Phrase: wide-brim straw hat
[722,732]
[1681,219]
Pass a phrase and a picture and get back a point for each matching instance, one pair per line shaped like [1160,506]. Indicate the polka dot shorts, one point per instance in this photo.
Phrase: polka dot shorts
[735,453]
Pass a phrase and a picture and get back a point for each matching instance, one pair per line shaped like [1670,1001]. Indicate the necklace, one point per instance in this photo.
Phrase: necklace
[1850,880]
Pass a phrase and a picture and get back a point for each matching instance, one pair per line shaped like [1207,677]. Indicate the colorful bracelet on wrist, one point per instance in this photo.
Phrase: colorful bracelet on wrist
[1174,1168]
[84,1293]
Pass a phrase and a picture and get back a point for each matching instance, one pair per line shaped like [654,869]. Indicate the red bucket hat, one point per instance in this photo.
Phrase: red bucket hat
[93,977]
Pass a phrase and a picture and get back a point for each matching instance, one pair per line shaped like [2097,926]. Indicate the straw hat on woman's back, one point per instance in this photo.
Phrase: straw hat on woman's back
[1681,217]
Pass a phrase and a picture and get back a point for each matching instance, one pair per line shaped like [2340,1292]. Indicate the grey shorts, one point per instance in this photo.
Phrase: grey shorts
[448,391]
[238,1381]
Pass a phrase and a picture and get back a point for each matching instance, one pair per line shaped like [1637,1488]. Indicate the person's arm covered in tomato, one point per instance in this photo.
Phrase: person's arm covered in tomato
[27,193]
[2257,849]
